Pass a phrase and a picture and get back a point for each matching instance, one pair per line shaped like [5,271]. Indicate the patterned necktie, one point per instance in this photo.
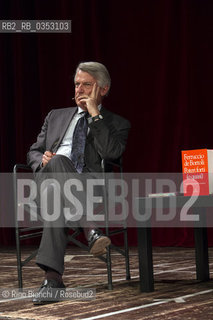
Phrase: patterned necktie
[78,143]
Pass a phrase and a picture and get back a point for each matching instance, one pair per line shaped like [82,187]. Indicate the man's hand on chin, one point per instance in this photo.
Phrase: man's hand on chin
[90,102]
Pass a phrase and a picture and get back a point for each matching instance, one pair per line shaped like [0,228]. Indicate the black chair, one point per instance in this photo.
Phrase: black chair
[23,233]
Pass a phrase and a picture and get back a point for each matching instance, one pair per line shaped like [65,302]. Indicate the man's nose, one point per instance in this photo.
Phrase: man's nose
[80,88]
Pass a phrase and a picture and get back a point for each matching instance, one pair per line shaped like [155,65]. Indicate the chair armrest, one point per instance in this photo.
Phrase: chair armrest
[20,166]
[106,164]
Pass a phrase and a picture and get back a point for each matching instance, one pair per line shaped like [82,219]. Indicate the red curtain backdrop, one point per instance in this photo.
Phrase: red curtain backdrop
[159,54]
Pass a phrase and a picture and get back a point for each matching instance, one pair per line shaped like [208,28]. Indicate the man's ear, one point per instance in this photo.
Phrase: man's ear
[104,91]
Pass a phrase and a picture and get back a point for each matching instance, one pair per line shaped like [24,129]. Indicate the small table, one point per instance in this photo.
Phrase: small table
[200,234]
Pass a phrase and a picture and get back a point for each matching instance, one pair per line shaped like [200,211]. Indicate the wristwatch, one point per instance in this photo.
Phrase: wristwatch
[98,117]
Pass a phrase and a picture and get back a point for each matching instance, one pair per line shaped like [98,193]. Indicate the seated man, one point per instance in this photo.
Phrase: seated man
[75,140]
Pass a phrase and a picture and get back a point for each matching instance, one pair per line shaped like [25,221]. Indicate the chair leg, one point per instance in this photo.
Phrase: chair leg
[109,268]
[18,250]
[19,264]
[126,249]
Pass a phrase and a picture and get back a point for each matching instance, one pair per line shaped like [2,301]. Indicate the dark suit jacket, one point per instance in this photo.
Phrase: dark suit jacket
[106,139]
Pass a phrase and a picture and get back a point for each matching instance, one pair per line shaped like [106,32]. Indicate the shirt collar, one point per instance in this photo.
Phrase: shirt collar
[81,110]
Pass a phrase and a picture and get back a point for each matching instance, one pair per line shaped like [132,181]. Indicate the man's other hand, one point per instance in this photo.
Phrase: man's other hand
[47,156]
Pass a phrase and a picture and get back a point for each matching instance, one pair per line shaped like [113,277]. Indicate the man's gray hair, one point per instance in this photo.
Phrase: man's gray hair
[96,70]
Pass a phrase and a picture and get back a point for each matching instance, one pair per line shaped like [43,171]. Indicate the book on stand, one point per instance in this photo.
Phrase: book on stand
[197,167]
[164,194]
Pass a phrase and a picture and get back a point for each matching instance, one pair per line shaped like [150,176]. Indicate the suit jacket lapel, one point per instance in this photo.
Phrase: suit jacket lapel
[65,119]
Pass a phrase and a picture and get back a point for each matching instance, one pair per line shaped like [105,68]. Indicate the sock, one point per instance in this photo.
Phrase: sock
[51,274]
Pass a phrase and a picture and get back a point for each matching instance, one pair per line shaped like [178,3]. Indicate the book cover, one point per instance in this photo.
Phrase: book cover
[197,166]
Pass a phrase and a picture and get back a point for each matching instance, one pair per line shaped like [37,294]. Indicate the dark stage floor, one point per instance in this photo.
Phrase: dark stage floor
[177,295]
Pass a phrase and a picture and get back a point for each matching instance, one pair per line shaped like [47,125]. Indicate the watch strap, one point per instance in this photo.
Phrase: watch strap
[98,117]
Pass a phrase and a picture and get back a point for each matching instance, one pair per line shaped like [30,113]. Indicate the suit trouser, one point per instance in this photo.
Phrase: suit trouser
[55,233]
